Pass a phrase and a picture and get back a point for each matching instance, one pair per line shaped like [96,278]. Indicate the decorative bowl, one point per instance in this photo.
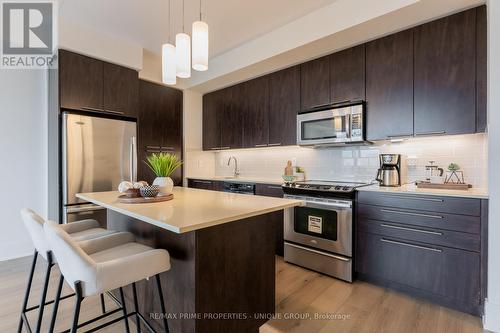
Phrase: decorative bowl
[149,191]
[133,193]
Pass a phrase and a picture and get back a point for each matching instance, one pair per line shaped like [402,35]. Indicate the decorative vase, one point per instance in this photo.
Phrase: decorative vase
[165,183]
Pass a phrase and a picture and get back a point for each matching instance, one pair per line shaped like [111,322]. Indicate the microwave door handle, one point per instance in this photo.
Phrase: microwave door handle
[348,125]
[133,160]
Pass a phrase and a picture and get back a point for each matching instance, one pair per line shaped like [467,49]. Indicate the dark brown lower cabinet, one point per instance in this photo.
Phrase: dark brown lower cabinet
[277,217]
[204,184]
[419,250]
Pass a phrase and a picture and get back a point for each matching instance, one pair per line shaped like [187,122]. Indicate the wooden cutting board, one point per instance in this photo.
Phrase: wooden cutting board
[448,186]
[124,199]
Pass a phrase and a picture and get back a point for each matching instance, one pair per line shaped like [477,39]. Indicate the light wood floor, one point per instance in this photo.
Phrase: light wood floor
[358,307]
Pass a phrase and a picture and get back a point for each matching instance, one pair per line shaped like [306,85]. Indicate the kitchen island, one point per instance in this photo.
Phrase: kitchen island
[222,256]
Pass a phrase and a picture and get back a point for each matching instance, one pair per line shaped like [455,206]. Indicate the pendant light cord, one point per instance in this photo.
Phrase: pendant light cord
[169,22]
[200,11]
[183,18]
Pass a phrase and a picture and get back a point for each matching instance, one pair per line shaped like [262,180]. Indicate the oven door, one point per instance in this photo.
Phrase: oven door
[324,224]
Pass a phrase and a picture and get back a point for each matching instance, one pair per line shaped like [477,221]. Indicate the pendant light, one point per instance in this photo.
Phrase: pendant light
[200,45]
[168,56]
[183,51]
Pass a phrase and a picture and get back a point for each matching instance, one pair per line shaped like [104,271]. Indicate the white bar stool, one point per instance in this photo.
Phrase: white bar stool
[101,265]
[79,231]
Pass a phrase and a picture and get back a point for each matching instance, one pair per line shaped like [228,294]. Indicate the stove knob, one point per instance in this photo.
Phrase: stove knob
[347,188]
[338,188]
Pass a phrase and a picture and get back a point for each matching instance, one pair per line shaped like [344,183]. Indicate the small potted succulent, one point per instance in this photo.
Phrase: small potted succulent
[163,165]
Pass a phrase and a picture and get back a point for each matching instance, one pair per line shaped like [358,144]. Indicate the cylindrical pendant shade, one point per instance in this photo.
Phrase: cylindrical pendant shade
[169,67]
[183,55]
[200,46]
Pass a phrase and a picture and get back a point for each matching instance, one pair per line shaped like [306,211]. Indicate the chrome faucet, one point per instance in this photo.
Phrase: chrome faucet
[236,171]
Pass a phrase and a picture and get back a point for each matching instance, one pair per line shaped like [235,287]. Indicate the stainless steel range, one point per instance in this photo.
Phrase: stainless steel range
[319,234]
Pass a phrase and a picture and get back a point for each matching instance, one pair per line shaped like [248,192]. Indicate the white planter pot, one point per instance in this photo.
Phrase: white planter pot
[165,183]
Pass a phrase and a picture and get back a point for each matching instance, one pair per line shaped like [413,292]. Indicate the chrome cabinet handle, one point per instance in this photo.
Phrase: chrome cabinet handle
[274,144]
[410,197]
[225,148]
[431,133]
[216,148]
[274,187]
[411,214]
[261,145]
[399,136]
[167,148]
[411,245]
[153,147]
[318,252]
[84,209]
[411,229]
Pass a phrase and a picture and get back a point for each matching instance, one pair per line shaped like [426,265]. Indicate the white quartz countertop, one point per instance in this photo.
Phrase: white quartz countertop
[242,180]
[478,193]
[192,209]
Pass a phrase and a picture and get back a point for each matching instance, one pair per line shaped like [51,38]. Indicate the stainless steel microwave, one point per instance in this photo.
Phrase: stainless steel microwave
[332,126]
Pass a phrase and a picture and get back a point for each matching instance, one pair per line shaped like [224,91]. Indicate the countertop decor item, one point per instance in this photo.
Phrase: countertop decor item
[445,186]
[163,165]
[289,178]
[149,191]
[160,198]
[454,175]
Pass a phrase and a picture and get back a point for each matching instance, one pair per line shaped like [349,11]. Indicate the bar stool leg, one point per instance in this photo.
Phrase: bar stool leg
[79,299]
[56,304]
[136,307]
[27,293]
[103,305]
[124,308]
[50,263]
[162,303]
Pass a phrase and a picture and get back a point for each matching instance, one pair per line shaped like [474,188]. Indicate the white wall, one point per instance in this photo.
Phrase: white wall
[23,151]
[492,313]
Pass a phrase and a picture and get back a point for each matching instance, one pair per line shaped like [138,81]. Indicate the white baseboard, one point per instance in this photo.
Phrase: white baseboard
[491,318]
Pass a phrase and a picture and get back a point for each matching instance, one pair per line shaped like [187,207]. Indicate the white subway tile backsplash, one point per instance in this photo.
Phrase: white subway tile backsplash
[357,163]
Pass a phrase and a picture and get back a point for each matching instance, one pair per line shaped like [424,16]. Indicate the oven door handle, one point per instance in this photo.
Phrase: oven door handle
[326,205]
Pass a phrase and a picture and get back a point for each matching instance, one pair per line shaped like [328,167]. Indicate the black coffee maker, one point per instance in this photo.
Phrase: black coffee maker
[389,173]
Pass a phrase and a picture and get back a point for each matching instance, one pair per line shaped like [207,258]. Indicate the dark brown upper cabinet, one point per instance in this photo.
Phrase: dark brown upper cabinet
[481,68]
[90,84]
[121,90]
[315,83]
[347,75]
[284,104]
[213,105]
[80,81]
[445,75]
[255,108]
[159,126]
[389,86]
[232,118]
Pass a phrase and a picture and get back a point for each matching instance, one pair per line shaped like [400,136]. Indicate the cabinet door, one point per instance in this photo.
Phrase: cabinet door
[255,104]
[231,124]
[80,81]
[315,83]
[201,184]
[284,104]
[213,104]
[172,127]
[121,90]
[389,86]
[481,69]
[445,75]
[347,75]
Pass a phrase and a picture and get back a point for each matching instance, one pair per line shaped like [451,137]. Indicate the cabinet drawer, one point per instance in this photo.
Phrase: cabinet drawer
[463,223]
[455,239]
[449,273]
[453,205]
[269,190]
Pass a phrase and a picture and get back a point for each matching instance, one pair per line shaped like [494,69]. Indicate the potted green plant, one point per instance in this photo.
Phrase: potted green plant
[163,165]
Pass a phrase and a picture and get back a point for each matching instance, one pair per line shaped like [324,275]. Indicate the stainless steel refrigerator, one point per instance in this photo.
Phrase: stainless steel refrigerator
[97,154]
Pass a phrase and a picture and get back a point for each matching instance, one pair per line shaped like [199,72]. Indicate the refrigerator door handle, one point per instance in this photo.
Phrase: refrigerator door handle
[133,159]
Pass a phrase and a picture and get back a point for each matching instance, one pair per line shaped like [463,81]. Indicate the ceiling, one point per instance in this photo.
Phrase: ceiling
[232,23]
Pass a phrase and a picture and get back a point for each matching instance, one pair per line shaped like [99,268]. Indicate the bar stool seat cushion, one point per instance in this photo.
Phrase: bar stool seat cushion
[79,230]
[106,263]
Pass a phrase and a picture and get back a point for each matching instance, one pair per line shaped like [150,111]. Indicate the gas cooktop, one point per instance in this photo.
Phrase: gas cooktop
[325,186]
